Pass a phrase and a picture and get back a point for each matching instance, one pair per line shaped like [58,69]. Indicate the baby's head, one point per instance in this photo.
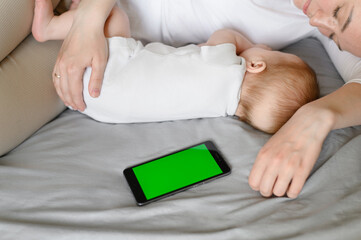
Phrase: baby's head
[276,84]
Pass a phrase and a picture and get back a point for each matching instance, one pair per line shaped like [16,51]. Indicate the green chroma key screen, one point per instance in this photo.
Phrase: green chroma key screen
[175,171]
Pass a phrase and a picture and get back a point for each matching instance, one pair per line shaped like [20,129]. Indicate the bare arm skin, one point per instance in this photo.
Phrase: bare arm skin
[230,36]
[85,45]
[286,160]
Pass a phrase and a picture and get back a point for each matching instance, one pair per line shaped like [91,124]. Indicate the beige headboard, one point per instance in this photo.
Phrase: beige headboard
[27,97]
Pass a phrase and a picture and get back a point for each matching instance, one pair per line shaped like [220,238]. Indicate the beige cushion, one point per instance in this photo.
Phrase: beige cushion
[27,97]
[15,23]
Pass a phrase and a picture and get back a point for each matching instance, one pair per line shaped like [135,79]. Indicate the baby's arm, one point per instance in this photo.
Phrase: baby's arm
[230,36]
[46,26]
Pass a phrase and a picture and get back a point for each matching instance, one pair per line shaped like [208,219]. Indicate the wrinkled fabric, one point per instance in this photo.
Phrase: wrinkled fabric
[66,182]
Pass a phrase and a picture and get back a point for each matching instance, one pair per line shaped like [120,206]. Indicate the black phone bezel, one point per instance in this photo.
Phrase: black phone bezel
[138,192]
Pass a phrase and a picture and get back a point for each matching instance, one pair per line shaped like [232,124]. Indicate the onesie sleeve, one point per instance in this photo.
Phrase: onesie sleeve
[223,54]
[348,65]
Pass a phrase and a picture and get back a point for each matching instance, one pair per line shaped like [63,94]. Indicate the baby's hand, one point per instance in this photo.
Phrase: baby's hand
[202,44]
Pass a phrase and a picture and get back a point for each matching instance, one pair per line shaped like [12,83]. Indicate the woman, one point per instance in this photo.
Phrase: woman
[284,163]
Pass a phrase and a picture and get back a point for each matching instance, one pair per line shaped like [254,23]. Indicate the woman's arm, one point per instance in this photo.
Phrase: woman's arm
[284,163]
[84,46]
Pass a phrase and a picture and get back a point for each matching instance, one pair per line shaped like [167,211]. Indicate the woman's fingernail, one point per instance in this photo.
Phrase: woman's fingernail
[82,108]
[95,92]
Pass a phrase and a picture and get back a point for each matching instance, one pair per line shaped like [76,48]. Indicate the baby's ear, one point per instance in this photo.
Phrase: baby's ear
[256,66]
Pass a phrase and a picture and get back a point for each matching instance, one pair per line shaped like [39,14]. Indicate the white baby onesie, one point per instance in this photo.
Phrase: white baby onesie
[160,83]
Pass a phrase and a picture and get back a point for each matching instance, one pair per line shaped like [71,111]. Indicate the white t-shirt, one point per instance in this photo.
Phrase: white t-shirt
[276,23]
[159,83]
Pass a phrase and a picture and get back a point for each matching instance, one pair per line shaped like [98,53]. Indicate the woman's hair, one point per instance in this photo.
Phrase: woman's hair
[289,85]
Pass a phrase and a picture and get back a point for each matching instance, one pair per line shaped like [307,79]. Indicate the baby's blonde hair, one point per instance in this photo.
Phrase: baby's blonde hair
[292,85]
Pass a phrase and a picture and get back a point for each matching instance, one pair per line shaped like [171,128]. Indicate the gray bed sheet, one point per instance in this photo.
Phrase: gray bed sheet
[66,181]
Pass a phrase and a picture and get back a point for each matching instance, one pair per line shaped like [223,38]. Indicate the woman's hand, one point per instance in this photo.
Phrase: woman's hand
[80,50]
[85,46]
[284,163]
[286,160]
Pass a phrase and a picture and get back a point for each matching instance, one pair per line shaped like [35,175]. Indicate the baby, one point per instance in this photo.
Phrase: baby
[227,75]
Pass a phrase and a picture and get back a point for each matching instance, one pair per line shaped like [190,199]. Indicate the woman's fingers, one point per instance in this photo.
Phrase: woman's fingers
[268,180]
[284,163]
[286,175]
[298,181]
[56,82]
[96,78]
[64,88]
[301,174]
[75,87]
[285,172]
[279,167]
[71,64]
[278,171]
[84,46]
[257,172]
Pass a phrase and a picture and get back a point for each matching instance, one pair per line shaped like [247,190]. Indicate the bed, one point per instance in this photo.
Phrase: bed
[66,181]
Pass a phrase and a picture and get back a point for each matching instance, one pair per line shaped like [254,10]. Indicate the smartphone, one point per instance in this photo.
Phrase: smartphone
[175,172]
